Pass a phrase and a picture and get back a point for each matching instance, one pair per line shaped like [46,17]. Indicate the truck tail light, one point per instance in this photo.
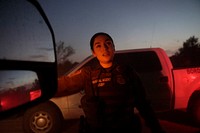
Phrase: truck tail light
[35,94]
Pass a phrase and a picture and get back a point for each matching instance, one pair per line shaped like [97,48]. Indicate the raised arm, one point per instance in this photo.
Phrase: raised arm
[70,84]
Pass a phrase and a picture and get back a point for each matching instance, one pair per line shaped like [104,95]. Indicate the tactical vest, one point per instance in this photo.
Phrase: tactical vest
[110,98]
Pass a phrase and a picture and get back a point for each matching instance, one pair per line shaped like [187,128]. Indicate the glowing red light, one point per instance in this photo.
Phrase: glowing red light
[35,94]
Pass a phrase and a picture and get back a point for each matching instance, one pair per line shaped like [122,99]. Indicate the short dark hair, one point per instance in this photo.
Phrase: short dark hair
[98,34]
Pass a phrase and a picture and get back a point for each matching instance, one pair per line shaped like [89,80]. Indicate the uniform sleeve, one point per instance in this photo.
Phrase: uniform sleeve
[144,107]
[70,84]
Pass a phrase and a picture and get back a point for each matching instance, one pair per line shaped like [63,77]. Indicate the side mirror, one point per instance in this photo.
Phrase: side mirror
[28,73]
[18,87]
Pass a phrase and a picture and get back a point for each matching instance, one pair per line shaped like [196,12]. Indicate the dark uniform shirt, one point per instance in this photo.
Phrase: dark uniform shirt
[116,91]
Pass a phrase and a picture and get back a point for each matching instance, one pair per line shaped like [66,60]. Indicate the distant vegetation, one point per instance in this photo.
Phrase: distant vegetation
[188,55]
[63,54]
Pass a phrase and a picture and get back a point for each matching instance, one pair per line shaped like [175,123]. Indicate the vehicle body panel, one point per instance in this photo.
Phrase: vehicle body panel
[167,89]
[186,82]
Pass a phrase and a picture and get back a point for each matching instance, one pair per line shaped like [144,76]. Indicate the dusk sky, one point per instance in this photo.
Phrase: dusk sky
[131,23]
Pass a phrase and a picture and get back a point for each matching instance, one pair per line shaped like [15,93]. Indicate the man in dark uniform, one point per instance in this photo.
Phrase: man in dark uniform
[112,90]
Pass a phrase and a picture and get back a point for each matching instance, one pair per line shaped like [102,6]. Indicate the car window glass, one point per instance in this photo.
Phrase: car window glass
[27,54]
[141,61]
[24,37]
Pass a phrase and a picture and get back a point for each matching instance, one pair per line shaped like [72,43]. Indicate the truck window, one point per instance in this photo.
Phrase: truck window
[141,61]
[147,61]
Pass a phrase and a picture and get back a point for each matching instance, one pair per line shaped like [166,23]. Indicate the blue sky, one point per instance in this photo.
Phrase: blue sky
[131,23]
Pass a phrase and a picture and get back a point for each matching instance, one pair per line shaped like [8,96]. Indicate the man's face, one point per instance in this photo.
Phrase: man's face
[103,49]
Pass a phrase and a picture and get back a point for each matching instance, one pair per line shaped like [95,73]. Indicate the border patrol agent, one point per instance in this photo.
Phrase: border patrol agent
[112,91]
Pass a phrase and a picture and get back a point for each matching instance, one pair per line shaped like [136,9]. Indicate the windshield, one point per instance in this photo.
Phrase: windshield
[24,34]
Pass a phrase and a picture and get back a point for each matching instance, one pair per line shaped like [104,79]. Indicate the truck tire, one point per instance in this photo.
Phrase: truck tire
[43,118]
[194,107]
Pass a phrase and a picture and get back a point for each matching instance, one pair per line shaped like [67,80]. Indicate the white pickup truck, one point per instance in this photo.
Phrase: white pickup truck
[167,88]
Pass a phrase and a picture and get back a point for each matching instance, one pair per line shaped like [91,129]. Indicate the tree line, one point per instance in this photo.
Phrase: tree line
[188,55]
[63,53]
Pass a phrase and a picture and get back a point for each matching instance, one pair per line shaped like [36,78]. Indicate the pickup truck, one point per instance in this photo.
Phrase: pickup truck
[167,88]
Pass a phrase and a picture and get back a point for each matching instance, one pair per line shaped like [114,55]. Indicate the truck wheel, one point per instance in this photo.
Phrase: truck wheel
[194,107]
[43,118]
